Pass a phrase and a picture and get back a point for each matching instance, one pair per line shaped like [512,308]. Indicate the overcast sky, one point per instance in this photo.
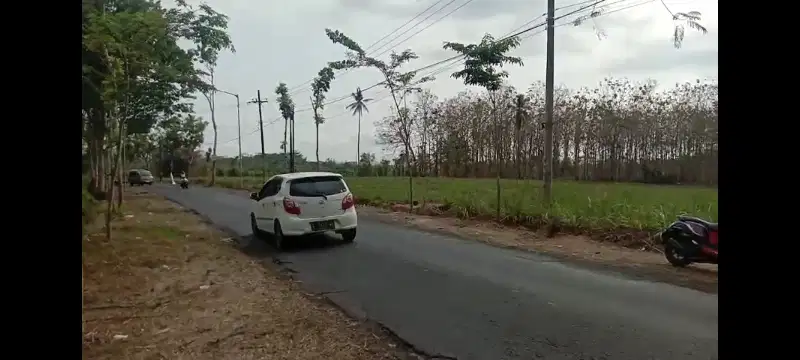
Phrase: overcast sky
[286,42]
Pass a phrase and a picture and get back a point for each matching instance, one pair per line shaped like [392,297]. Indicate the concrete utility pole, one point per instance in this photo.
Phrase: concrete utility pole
[548,106]
[258,100]
[239,126]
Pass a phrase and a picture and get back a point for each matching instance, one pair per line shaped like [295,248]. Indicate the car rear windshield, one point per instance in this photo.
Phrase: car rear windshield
[317,186]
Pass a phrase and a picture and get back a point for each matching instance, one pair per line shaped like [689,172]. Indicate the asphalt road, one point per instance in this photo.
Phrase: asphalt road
[468,300]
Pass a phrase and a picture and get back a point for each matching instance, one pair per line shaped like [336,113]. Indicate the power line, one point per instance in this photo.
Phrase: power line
[517,33]
[297,89]
[425,28]
[404,40]
[406,23]
[458,59]
[523,38]
[294,91]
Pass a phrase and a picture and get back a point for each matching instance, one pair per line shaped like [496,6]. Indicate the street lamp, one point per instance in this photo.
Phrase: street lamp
[239,125]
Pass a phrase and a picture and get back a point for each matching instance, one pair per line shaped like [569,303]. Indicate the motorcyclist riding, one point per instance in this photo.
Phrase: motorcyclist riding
[184,180]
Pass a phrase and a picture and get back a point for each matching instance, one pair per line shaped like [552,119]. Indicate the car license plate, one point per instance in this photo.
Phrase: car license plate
[322,225]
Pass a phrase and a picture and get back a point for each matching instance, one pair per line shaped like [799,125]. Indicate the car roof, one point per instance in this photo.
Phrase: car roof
[300,175]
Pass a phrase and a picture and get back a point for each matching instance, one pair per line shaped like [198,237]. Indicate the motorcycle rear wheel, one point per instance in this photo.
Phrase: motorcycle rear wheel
[674,256]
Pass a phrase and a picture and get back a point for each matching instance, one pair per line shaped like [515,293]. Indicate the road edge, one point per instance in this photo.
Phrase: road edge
[349,310]
[633,273]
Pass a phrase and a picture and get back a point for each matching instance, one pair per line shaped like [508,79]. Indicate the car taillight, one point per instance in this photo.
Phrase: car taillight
[348,202]
[290,206]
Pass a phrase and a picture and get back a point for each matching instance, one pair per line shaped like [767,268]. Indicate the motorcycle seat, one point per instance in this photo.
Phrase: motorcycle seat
[710,225]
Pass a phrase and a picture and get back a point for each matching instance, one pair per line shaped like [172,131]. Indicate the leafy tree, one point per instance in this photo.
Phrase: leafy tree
[141,148]
[128,44]
[320,86]
[207,29]
[286,105]
[399,84]
[364,164]
[133,74]
[480,68]
[358,106]
[690,19]
[178,137]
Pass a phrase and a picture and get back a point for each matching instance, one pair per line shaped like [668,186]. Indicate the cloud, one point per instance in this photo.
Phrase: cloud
[288,44]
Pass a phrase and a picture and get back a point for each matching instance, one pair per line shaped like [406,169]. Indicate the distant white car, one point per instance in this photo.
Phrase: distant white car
[304,203]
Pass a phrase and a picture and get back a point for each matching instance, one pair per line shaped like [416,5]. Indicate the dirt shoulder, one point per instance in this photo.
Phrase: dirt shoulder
[168,286]
[644,263]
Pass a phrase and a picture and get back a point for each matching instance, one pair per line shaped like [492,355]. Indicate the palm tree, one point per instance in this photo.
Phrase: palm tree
[690,19]
[359,105]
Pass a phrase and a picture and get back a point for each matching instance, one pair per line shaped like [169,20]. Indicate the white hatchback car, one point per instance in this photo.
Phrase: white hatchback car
[304,203]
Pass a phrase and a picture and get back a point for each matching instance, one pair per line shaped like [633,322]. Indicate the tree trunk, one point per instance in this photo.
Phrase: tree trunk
[96,134]
[499,167]
[358,142]
[285,144]
[317,123]
[121,169]
[212,104]
[112,174]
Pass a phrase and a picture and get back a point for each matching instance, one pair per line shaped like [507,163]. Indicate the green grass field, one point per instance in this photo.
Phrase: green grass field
[582,204]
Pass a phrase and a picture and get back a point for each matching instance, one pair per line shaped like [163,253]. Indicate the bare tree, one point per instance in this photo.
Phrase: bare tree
[621,130]
[320,86]
[399,84]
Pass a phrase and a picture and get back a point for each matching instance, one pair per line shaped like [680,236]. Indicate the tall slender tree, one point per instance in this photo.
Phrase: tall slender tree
[396,81]
[208,28]
[480,68]
[320,86]
[358,106]
[286,105]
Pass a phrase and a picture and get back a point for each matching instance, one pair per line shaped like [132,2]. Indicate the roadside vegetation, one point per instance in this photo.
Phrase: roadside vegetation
[605,210]
[629,155]
[166,285]
[170,286]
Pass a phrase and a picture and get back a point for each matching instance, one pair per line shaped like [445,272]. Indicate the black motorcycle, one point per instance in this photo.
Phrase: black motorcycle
[691,240]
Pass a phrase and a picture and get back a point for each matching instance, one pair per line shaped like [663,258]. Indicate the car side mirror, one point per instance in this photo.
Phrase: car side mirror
[254,196]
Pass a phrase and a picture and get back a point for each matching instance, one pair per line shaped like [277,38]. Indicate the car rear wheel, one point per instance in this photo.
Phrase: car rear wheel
[349,235]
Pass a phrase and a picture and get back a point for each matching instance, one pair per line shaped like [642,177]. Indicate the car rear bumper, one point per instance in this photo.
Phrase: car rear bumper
[294,226]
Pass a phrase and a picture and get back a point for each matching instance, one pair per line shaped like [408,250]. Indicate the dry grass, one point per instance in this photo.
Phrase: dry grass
[169,287]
